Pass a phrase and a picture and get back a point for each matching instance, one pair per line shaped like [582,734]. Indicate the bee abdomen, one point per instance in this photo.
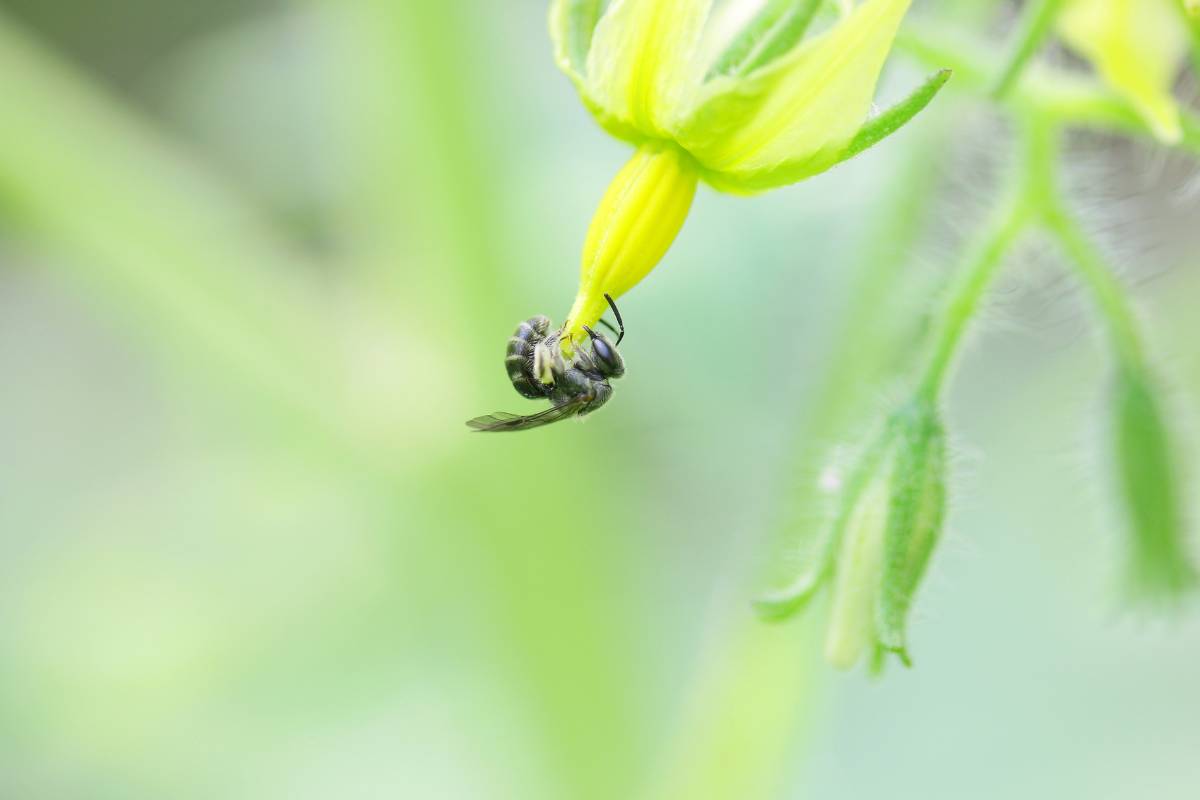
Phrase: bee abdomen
[520,372]
[518,358]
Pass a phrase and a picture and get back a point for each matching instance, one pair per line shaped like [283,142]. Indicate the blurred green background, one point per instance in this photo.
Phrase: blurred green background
[257,262]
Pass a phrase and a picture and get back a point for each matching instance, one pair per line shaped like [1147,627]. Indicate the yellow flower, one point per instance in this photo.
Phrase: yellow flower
[768,109]
[1136,46]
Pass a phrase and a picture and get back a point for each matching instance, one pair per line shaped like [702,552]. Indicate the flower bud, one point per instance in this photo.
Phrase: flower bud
[1148,484]
[879,544]
[859,571]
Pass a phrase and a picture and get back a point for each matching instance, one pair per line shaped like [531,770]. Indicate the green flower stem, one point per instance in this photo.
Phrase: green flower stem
[966,298]
[1160,567]
[1082,253]
[753,695]
[1110,298]
[1035,25]
[1034,200]
[864,348]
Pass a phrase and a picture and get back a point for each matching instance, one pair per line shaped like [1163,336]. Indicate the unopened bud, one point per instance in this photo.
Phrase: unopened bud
[1149,487]
[878,545]
[859,570]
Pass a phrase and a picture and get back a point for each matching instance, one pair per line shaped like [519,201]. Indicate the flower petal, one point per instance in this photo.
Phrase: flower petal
[638,219]
[856,584]
[642,65]
[775,30]
[1136,45]
[572,24]
[793,118]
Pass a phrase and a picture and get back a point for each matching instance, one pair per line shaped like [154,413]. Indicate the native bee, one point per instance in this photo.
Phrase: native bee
[538,369]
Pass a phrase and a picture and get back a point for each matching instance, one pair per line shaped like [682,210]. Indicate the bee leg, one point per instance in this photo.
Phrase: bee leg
[601,392]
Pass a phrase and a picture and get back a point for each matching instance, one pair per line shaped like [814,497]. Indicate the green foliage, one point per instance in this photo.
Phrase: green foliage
[909,457]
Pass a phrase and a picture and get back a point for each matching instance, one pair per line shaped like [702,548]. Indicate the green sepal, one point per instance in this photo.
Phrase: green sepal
[883,125]
[819,549]
[872,132]
[915,517]
[816,566]
[878,661]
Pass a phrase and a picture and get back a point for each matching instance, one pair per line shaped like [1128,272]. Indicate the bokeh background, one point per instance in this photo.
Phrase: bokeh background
[257,263]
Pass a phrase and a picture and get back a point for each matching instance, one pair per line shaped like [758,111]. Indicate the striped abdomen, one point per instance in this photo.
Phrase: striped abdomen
[518,358]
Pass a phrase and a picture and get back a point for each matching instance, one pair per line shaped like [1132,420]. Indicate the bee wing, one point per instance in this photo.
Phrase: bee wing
[502,421]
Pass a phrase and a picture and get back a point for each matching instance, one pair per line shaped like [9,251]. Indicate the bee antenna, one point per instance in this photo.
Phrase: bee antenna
[617,314]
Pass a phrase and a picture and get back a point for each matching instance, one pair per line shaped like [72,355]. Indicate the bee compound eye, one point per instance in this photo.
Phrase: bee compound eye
[601,348]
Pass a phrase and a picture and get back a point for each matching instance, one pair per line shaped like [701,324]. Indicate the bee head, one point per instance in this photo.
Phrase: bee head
[608,361]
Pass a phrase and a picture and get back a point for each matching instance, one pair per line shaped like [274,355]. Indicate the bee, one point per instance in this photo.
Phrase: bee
[538,369]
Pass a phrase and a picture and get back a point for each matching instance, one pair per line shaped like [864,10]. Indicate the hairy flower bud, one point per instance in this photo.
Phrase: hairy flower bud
[880,541]
[1148,484]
